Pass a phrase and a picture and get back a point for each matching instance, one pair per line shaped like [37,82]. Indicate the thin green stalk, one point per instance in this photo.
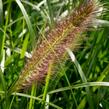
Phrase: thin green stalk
[3,36]
[33,93]
[2,41]
[47,84]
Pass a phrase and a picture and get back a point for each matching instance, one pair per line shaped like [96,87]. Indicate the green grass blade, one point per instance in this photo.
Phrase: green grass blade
[36,98]
[77,86]
[31,30]
[83,77]
[24,47]
[50,13]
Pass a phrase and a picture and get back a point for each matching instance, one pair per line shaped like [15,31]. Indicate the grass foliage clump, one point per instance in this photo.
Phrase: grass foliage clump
[38,69]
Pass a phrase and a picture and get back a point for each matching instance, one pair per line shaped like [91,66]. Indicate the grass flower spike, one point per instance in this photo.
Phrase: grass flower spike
[53,48]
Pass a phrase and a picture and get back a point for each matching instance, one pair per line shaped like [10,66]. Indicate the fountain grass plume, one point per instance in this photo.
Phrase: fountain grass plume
[65,34]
